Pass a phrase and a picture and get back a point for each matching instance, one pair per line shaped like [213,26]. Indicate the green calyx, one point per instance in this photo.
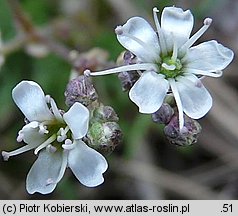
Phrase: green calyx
[170,68]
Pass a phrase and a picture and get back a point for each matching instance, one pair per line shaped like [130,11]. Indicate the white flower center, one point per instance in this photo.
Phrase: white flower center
[55,133]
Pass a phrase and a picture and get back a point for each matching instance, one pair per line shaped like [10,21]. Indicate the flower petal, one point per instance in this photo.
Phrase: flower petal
[77,118]
[30,99]
[149,91]
[137,30]
[196,100]
[208,56]
[31,134]
[45,172]
[177,25]
[87,164]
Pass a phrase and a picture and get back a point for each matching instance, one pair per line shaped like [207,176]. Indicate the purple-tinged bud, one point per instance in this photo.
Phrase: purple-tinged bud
[163,115]
[187,136]
[105,114]
[128,78]
[94,59]
[129,58]
[104,137]
[80,90]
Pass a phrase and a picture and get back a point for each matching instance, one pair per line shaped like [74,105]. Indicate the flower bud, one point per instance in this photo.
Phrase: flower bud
[80,90]
[128,79]
[187,136]
[129,58]
[105,114]
[104,137]
[163,115]
[94,59]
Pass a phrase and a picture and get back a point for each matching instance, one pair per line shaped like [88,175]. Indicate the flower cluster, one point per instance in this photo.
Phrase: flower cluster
[104,133]
[166,62]
[56,137]
[158,65]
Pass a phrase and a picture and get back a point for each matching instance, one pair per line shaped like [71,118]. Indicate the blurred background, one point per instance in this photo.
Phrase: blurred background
[37,36]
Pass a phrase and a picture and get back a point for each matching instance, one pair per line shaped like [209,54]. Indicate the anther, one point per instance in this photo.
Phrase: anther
[51,149]
[87,73]
[207,22]
[119,30]
[20,136]
[43,129]
[61,135]
[47,98]
[5,155]
[68,144]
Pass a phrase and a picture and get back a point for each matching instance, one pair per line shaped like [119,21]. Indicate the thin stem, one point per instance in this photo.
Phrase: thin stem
[34,35]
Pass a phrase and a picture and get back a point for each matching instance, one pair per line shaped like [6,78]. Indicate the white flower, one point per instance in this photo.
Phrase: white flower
[57,139]
[168,62]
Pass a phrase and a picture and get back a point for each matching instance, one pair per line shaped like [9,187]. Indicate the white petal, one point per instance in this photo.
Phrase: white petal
[31,134]
[208,56]
[30,99]
[87,164]
[77,118]
[139,28]
[45,172]
[195,98]
[177,25]
[149,91]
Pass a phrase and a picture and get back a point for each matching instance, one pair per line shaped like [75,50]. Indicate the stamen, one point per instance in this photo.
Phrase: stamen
[133,67]
[62,134]
[119,30]
[150,50]
[51,149]
[44,144]
[66,129]
[20,136]
[87,73]
[168,67]
[207,22]
[68,145]
[178,102]
[55,110]
[47,98]
[23,149]
[61,138]
[175,51]
[217,73]
[160,32]
[43,129]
